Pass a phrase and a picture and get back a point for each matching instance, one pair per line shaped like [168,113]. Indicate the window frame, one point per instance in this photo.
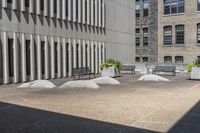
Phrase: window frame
[180,34]
[167,38]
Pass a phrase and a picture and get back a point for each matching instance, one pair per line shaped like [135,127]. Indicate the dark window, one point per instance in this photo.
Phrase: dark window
[145,59]
[198,33]
[174,6]
[137,39]
[137,59]
[77,1]
[145,36]
[26,3]
[179,59]
[137,8]
[67,7]
[86,10]
[28,58]
[167,59]
[167,35]
[198,58]
[146,8]
[42,5]
[198,5]
[55,6]
[180,34]
[9,1]
[43,56]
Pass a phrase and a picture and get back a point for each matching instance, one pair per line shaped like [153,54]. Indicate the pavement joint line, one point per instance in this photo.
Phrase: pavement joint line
[194,87]
[39,127]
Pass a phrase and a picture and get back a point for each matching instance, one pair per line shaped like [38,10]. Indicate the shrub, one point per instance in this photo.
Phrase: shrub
[111,63]
[194,64]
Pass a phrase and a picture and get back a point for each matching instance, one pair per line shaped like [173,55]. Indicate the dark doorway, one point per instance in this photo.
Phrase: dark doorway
[43,57]
[67,59]
[77,55]
[28,58]
[56,57]
[10,57]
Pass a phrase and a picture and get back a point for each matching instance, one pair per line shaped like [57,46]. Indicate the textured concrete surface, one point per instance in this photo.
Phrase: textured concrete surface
[131,107]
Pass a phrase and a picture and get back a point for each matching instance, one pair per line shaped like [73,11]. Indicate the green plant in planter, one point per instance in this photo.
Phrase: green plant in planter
[111,63]
[194,64]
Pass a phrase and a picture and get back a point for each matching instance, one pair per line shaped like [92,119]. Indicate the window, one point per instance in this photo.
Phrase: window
[146,6]
[174,6]
[137,59]
[55,6]
[145,59]
[42,5]
[145,36]
[198,33]
[137,8]
[77,2]
[179,59]
[167,59]
[66,7]
[9,1]
[180,34]
[26,3]
[137,40]
[198,5]
[168,35]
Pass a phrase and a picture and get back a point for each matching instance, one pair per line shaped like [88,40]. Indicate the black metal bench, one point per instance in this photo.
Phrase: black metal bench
[169,69]
[129,68]
[81,71]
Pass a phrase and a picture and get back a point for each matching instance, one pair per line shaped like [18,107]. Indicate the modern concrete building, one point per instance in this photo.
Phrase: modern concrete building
[45,39]
[146,32]
[178,31]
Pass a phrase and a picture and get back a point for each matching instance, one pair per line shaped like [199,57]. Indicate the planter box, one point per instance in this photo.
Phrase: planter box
[195,74]
[110,72]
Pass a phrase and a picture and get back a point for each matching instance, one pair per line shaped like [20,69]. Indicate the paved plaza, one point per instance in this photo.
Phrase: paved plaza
[131,107]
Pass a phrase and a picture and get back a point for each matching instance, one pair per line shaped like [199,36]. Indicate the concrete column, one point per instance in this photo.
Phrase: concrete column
[64,57]
[39,63]
[5,58]
[104,54]
[84,53]
[22,5]
[46,58]
[16,61]
[92,12]
[96,57]
[69,10]
[14,6]
[103,13]
[100,59]
[31,8]
[99,13]
[23,56]
[79,11]
[52,8]
[74,11]
[59,58]
[88,54]
[83,12]
[46,8]
[58,9]
[79,53]
[74,54]
[52,58]
[64,9]
[96,13]
[92,57]
[38,7]
[4,3]
[88,12]
[32,57]
[70,58]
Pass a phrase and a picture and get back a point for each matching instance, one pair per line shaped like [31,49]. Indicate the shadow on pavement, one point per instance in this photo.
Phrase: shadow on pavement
[190,123]
[19,119]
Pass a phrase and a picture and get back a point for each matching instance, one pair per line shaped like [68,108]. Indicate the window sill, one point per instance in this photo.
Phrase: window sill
[170,15]
[167,45]
[197,11]
[179,45]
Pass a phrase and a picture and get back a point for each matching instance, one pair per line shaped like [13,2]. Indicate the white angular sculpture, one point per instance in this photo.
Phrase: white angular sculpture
[195,74]
[108,72]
